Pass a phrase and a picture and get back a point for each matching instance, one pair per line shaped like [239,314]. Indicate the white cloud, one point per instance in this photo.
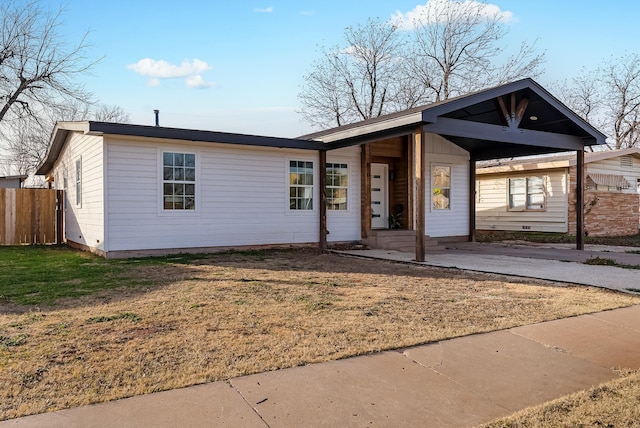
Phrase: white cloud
[263,9]
[429,12]
[161,69]
[197,82]
[307,12]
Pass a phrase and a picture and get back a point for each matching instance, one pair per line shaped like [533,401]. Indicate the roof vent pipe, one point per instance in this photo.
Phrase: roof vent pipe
[157,113]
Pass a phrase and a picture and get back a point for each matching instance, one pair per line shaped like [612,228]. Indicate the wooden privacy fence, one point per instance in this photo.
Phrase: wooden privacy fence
[30,216]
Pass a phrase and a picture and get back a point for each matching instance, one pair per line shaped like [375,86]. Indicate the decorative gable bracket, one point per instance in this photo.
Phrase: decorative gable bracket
[514,114]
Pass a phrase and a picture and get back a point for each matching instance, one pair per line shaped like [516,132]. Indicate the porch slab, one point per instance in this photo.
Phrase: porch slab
[381,389]
[213,404]
[617,344]
[511,371]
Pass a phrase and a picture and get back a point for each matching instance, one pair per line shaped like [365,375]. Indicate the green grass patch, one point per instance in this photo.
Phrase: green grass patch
[17,340]
[40,275]
[601,261]
[609,262]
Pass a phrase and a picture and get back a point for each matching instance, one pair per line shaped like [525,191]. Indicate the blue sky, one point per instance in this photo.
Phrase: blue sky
[252,54]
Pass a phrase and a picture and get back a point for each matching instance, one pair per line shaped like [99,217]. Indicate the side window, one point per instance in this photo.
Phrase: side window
[337,186]
[79,182]
[300,185]
[441,187]
[178,181]
[527,194]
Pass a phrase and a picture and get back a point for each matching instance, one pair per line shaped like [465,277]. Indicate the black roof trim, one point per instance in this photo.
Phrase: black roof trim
[203,136]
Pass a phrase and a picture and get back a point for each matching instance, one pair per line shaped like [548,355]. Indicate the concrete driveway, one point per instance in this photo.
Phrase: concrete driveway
[553,263]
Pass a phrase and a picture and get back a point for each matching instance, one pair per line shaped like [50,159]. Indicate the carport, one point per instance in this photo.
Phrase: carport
[512,120]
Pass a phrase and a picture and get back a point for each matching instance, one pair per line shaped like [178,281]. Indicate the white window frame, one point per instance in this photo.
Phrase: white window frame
[526,205]
[79,182]
[312,186]
[161,181]
[434,167]
[345,188]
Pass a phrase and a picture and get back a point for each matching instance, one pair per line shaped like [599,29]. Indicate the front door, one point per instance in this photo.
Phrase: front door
[379,196]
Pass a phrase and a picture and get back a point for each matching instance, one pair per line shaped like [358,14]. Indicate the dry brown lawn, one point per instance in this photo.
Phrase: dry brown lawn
[229,315]
[613,404]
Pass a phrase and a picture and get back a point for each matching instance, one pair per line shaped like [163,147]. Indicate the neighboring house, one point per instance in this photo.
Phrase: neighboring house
[12,181]
[142,189]
[538,194]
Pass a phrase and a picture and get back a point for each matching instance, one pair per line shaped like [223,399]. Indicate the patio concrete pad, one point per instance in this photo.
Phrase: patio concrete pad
[511,371]
[385,389]
[214,404]
[604,339]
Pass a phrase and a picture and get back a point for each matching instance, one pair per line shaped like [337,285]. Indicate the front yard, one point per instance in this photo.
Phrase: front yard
[76,329]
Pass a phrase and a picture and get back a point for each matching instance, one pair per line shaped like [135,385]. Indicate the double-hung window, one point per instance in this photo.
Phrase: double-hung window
[337,186]
[526,194]
[441,188]
[300,185]
[179,181]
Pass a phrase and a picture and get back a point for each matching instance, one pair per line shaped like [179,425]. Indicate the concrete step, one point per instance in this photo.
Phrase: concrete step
[399,240]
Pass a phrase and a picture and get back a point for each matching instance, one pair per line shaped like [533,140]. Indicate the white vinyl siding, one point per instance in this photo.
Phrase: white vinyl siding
[82,157]
[243,197]
[344,225]
[492,208]
[455,220]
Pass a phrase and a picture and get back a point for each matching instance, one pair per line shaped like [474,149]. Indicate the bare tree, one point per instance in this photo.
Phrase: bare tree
[621,82]
[608,97]
[457,49]
[36,67]
[583,95]
[449,49]
[110,113]
[27,139]
[354,82]
[26,142]
[39,75]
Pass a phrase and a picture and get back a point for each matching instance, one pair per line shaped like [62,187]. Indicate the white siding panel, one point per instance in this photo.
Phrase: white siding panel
[242,199]
[454,221]
[345,225]
[84,223]
[492,211]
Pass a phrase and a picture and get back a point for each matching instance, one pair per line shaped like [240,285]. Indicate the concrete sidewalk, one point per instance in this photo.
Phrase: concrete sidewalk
[454,383]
